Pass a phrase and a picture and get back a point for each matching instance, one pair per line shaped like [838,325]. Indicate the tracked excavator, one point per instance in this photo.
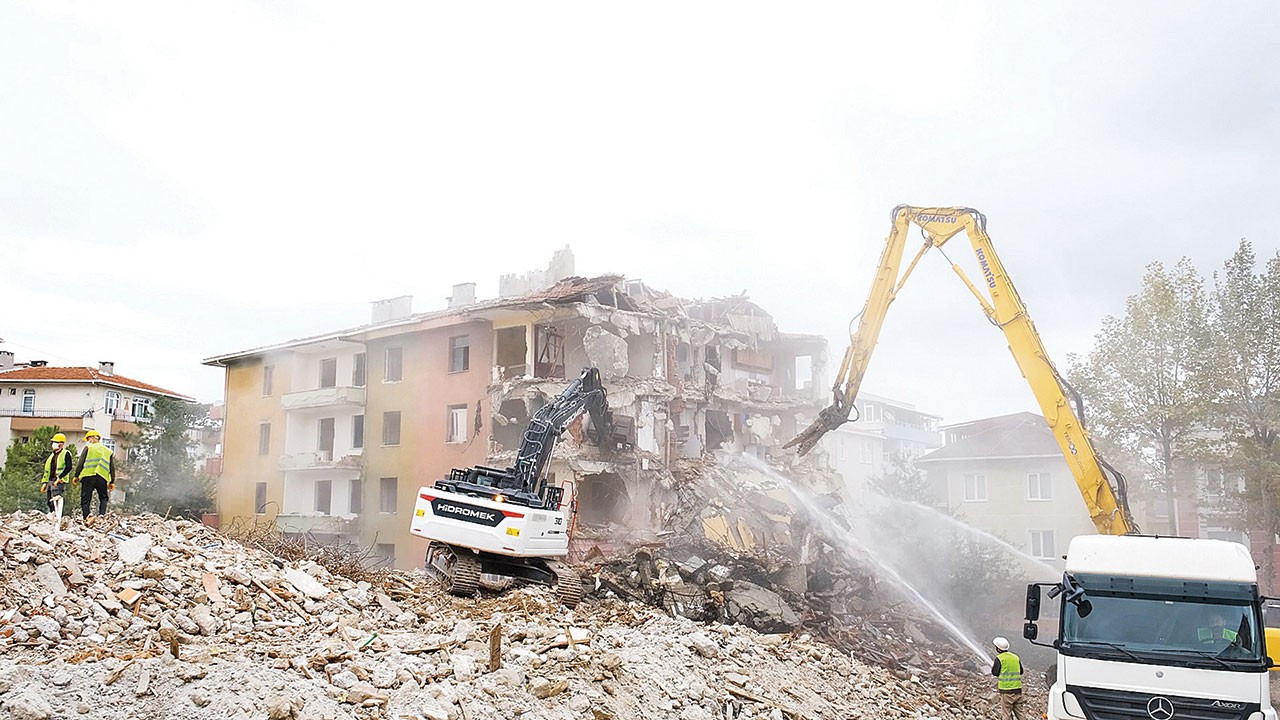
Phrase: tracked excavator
[492,526]
[1148,626]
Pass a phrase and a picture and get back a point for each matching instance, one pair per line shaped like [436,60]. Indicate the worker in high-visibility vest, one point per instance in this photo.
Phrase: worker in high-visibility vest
[96,470]
[1008,672]
[57,473]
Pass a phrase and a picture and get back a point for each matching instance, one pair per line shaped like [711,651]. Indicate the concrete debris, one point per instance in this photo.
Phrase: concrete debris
[134,549]
[262,646]
[606,351]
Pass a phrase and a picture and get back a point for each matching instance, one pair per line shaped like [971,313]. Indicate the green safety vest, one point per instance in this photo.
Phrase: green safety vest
[1010,672]
[1206,635]
[97,461]
[52,465]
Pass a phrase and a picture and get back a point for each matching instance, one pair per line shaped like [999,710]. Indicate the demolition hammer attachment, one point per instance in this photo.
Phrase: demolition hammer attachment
[831,417]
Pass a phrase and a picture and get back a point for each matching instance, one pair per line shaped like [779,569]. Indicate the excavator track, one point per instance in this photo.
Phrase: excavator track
[464,580]
[568,584]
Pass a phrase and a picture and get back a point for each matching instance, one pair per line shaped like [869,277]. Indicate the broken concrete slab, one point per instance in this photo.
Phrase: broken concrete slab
[606,351]
[133,550]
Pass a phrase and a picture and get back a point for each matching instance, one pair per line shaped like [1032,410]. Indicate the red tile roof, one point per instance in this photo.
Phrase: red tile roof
[82,374]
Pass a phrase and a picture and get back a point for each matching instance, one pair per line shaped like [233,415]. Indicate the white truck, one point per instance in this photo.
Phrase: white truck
[1157,628]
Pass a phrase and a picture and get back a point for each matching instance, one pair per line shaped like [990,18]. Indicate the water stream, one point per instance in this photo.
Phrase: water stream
[838,533]
[1040,567]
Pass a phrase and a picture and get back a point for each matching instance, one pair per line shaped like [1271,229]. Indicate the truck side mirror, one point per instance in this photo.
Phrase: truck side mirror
[1083,608]
[1033,605]
[1030,631]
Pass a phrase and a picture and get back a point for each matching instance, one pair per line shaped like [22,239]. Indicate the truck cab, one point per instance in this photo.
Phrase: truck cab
[1159,628]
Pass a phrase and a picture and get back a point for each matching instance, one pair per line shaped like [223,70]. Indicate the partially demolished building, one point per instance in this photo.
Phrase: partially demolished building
[456,387]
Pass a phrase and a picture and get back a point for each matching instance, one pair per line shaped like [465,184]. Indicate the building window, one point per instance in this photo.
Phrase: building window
[110,444]
[1039,487]
[391,428]
[112,406]
[264,438]
[260,498]
[1234,536]
[1040,544]
[459,353]
[357,431]
[387,488]
[864,452]
[140,407]
[355,501]
[324,443]
[329,372]
[268,377]
[357,370]
[841,453]
[28,401]
[384,554]
[975,488]
[393,367]
[324,496]
[457,424]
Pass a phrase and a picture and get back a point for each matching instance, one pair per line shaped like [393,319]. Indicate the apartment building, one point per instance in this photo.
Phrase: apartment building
[886,435]
[333,435]
[1006,475]
[75,399]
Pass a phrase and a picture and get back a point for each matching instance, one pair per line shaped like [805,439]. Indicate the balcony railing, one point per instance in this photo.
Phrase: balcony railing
[322,397]
[316,523]
[42,413]
[127,416]
[318,460]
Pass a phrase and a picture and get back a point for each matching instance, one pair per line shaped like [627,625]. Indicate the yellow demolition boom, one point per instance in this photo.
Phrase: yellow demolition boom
[1101,485]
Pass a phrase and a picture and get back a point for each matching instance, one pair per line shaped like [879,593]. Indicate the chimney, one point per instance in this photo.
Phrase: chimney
[106,367]
[6,359]
[397,308]
[463,294]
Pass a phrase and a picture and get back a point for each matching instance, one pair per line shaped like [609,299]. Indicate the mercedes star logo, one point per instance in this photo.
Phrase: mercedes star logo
[1160,708]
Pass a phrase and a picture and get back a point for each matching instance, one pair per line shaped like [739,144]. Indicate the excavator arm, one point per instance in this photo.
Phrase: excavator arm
[1102,487]
[585,394]
[525,482]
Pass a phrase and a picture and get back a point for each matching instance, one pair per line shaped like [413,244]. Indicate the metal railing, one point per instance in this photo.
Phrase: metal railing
[19,412]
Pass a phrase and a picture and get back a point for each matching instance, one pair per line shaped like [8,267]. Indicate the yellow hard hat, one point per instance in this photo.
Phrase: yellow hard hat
[92,434]
[59,437]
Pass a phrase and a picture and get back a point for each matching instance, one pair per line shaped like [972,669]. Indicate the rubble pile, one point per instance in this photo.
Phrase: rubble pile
[147,617]
[740,551]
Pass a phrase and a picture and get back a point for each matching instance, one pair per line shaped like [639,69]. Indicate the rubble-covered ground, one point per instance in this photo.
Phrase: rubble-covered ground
[141,617]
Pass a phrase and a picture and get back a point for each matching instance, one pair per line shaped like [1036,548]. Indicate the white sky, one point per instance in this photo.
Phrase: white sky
[180,180]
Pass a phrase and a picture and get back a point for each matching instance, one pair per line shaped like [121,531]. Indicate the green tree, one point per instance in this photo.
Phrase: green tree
[1148,379]
[163,477]
[23,468]
[1246,323]
[903,480]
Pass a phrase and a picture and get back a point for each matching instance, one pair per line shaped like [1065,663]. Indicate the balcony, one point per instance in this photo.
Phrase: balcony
[319,460]
[316,523]
[123,415]
[42,413]
[23,420]
[323,397]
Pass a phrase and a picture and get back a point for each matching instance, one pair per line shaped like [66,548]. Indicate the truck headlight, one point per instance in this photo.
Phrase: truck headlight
[1071,705]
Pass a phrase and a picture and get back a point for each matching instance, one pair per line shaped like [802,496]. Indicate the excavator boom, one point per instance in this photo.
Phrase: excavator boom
[1102,487]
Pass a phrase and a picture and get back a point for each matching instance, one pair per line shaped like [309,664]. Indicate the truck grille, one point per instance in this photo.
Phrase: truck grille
[1100,704]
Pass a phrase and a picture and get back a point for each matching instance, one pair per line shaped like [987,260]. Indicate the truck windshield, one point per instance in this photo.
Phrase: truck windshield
[1197,632]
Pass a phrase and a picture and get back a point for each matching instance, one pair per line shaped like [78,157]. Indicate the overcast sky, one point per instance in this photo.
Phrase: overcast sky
[182,180]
